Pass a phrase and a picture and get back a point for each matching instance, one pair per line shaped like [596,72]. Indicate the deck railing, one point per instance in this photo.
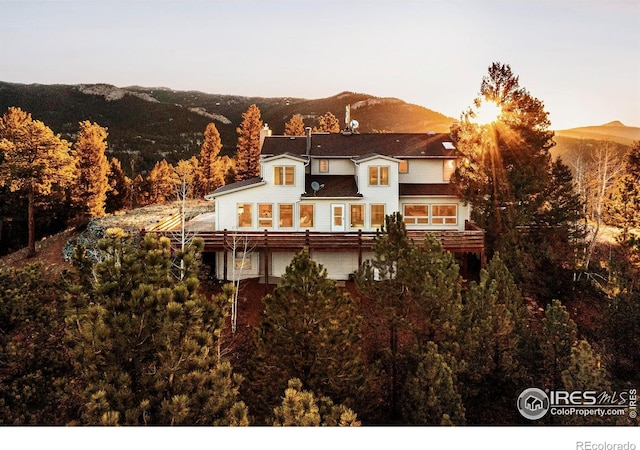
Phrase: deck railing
[471,240]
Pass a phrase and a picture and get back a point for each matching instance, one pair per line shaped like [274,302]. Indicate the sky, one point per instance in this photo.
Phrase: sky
[581,58]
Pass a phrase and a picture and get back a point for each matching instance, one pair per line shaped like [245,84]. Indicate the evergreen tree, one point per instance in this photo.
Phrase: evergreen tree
[327,123]
[584,373]
[415,298]
[248,149]
[145,346]
[558,337]
[91,185]
[33,161]
[494,338]
[623,208]
[295,126]
[34,367]
[210,174]
[430,395]
[621,334]
[300,408]
[120,186]
[161,183]
[508,174]
[310,331]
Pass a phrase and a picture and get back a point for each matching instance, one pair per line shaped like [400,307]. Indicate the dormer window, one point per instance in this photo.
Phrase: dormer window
[378,175]
[284,175]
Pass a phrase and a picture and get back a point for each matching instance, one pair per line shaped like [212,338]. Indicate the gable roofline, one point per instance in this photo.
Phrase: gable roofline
[287,155]
[369,157]
[235,187]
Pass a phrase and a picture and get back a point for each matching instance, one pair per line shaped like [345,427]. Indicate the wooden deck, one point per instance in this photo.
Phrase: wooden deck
[469,241]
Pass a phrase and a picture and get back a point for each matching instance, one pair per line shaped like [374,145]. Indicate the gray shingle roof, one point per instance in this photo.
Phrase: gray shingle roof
[400,145]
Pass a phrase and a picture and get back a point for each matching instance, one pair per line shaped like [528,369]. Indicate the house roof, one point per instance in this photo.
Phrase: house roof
[439,189]
[237,186]
[333,186]
[338,145]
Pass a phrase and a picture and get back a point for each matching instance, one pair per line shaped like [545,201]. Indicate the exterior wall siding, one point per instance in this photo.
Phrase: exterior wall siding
[427,171]
[337,166]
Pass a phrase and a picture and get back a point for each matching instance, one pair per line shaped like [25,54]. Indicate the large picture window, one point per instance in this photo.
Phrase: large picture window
[377,216]
[286,215]
[378,175]
[416,214]
[265,215]
[245,215]
[444,214]
[284,175]
[306,216]
[356,213]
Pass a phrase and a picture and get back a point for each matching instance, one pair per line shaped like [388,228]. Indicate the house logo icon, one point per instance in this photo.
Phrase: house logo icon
[533,403]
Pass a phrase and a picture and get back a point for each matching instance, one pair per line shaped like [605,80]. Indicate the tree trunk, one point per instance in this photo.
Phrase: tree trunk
[32,224]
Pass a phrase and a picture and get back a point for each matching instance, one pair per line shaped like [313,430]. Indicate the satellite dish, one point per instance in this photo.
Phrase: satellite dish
[316,187]
[354,124]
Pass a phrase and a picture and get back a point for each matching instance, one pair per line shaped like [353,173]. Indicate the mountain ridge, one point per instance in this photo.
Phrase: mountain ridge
[146,124]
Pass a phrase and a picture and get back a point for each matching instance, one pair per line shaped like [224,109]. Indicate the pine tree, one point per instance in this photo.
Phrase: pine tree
[558,337]
[210,174]
[300,408]
[295,126]
[327,123]
[623,207]
[161,183]
[430,395]
[145,346]
[91,185]
[33,161]
[248,149]
[584,373]
[415,298]
[34,366]
[494,340]
[309,330]
[508,172]
[120,186]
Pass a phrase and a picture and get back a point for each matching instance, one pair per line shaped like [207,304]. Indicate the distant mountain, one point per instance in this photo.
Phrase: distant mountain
[613,131]
[148,123]
[581,141]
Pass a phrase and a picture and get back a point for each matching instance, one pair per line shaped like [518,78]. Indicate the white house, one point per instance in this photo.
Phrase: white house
[330,193]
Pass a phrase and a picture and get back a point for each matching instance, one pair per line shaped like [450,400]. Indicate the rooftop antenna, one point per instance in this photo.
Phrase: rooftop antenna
[316,187]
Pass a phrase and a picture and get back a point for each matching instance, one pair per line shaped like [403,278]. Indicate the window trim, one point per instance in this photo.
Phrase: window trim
[384,212]
[280,205]
[364,218]
[416,220]
[435,219]
[446,162]
[313,215]
[238,262]
[250,205]
[379,169]
[281,172]
[270,218]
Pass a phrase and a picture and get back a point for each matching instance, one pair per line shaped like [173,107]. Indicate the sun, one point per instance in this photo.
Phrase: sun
[487,113]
